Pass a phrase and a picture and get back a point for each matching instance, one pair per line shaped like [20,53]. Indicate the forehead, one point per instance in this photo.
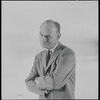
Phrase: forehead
[48,28]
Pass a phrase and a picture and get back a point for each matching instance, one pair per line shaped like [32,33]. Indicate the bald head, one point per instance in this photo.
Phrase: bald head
[51,25]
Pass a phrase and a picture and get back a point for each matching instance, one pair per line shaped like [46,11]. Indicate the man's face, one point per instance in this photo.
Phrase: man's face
[48,35]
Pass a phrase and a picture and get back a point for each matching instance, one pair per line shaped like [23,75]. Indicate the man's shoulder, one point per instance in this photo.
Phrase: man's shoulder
[67,50]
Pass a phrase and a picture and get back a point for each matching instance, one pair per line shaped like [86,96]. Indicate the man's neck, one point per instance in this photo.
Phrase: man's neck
[53,49]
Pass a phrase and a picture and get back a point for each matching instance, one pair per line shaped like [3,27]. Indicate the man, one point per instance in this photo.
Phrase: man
[53,73]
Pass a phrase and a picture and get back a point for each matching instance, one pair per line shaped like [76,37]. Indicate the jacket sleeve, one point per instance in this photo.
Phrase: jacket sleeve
[30,80]
[64,68]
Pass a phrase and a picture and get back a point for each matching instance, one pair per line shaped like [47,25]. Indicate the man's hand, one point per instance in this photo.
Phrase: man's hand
[36,80]
[40,81]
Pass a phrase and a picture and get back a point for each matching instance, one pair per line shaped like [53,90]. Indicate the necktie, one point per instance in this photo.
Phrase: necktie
[48,57]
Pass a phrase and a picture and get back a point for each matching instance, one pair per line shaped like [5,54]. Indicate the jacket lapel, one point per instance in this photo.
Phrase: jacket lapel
[54,55]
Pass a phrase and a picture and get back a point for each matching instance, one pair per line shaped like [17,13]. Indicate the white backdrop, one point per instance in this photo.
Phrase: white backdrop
[20,42]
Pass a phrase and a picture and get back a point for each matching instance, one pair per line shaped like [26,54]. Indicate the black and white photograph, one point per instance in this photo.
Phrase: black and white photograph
[49,49]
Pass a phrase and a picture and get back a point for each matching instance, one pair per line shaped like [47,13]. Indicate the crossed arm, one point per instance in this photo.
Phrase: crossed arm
[58,78]
[54,80]
[30,80]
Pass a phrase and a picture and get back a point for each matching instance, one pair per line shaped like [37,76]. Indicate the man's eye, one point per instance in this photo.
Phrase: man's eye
[48,36]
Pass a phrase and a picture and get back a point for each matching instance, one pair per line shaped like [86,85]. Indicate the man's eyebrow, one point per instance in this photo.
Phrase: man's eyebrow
[44,35]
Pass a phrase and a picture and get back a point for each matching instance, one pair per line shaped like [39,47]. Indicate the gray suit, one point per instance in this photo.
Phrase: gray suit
[58,76]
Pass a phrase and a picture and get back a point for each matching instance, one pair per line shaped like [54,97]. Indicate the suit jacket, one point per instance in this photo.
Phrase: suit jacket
[57,78]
